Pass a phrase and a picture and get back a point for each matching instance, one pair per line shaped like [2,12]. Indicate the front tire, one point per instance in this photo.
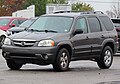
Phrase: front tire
[106,58]
[13,65]
[62,60]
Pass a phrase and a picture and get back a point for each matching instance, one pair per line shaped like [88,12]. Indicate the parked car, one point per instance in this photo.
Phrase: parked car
[22,27]
[116,22]
[3,35]
[8,22]
[60,38]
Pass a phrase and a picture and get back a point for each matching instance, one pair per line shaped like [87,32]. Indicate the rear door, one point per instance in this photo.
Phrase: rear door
[95,36]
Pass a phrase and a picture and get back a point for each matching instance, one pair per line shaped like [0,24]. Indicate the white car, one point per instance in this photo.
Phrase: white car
[3,35]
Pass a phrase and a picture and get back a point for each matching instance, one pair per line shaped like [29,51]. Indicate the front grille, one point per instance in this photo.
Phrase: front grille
[24,43]
[22,55]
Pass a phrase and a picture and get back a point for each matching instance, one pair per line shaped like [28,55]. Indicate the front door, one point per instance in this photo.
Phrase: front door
[81,42]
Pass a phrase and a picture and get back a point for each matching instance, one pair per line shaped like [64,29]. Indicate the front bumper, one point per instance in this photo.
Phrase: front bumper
[35,55]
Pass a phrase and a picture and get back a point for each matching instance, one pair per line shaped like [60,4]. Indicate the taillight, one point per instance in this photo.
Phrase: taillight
[117,40]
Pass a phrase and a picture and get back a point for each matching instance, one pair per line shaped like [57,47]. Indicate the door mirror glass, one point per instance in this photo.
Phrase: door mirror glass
[78,31]
[12,25]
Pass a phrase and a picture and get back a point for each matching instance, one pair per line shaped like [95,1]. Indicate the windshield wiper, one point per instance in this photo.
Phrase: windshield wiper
[50,31]
[43,30]
[36,30]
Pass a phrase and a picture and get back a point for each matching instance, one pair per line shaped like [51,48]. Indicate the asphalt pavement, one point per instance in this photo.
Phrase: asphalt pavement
[81,72]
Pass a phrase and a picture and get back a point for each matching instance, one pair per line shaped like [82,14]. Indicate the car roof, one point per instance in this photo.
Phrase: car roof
[115,18]
[10,17]
[33,18]
[75,14]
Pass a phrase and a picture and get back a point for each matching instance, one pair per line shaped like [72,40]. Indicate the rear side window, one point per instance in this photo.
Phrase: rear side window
[107,23]
[21,21]
[15,22]
[94,24]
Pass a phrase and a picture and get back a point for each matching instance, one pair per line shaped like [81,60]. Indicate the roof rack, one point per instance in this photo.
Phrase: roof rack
[92,12]
[81,12]
[62,12]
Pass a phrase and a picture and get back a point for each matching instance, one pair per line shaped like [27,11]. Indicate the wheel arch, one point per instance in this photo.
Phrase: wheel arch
[110,44]
[3,36]
[67,46]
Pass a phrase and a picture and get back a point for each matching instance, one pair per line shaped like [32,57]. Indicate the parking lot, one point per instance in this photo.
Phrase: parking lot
[81,72]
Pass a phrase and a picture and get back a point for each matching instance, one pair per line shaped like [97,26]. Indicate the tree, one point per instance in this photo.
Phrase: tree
[1,7]
[7,7]
[82,7]
[114,12]
[57,1]
[40,5]
[111,14]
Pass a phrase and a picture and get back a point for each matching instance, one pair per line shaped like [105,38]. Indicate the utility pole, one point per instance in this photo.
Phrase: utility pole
[118,10]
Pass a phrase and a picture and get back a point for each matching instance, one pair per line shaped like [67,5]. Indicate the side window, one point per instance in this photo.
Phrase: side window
[81,24]
[15,22]
[21,21]
[107,23]
[94,24]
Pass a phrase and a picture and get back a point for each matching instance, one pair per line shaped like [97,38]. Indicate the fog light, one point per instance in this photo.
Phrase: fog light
[43,56]
[5,54]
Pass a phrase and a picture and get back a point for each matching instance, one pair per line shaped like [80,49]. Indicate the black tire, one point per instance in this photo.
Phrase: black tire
[2,38]
[13,66]
[62,60]
[106,58]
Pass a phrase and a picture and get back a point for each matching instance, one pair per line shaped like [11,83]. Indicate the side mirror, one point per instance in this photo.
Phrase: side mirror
[25,29]
[12,25]
[78,31]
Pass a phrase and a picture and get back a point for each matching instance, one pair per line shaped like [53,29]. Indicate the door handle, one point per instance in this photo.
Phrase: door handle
[102,36]
[87,37]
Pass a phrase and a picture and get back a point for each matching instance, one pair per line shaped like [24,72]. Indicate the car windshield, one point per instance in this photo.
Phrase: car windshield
[4,22]
[27,23]
[52,24]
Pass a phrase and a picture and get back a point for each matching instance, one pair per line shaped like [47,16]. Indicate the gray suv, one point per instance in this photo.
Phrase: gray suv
[60,38]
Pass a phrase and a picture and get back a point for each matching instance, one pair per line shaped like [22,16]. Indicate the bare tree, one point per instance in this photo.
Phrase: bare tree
[111,14]
[114,13]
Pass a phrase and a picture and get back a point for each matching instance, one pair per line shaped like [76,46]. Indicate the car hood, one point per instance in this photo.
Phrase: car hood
[2,33]
[37,35]
[4,28]
[16,29]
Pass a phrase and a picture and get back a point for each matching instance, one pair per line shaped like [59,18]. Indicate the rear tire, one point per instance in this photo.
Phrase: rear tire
[13,65]
[106,58]
[62,60]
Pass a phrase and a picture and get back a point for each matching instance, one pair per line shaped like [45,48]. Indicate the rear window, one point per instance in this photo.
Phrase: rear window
[21,21]
[107,23]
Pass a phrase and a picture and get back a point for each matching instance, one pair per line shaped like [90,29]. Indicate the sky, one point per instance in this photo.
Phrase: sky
[101,5]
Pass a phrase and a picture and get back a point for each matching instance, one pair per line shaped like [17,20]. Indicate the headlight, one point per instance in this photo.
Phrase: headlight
[7,41]
[46,43]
